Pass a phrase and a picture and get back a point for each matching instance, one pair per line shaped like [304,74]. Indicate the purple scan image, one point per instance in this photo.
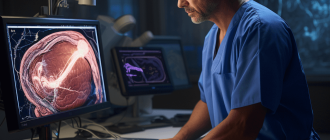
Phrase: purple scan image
[129,67]
[144,69]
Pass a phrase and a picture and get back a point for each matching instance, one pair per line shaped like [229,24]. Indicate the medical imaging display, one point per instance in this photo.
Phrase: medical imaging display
[143,67]
[56,68]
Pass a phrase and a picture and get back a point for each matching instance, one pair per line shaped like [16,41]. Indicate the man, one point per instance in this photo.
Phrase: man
[252,83]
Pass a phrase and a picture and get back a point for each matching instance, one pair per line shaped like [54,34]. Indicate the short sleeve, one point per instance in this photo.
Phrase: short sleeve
[200,85]
[264,53]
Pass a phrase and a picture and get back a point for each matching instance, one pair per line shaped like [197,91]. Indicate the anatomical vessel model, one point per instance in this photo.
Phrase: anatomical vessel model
[60,72]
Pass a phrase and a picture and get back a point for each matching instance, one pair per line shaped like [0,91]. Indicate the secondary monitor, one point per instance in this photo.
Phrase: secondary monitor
[174,56]
[51,70]
[141,71]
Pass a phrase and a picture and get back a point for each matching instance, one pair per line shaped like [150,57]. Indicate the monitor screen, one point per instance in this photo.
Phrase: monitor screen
[173,54]
[141,71]
[55,68]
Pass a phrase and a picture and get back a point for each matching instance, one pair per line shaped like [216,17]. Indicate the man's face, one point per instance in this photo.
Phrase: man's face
[198,10]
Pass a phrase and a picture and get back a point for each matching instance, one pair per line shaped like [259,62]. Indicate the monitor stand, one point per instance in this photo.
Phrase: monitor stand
[44,132]
[136,108]
[142,105]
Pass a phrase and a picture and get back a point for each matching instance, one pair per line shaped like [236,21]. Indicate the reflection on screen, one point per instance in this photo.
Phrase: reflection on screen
[56,68]
[143,67]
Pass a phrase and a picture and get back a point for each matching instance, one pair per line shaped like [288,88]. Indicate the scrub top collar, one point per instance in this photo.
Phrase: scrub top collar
[234,21]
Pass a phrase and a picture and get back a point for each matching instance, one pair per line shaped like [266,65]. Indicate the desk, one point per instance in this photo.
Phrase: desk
[156,133]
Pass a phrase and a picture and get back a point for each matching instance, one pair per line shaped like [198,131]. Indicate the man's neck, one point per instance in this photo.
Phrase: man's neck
[224,13]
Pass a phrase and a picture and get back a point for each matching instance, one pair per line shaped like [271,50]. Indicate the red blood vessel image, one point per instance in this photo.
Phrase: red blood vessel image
[57,73]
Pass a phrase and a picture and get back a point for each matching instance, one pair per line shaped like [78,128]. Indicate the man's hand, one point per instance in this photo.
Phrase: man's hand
[198,124]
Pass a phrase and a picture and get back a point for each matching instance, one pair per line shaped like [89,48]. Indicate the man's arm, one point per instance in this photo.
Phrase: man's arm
[241,124]
[198,124]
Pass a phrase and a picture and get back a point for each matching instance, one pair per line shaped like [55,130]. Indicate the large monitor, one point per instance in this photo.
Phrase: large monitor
[174,55]
[51,69]
[141,71]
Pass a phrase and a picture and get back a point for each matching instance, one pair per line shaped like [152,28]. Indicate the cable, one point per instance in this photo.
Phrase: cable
[83,129]
[55,135]
[75,121]
[2,121]
[115,135]
[56,8]
[58,130]
[72,123]
[79,123]
[36,15]
[79,120]
[32,131]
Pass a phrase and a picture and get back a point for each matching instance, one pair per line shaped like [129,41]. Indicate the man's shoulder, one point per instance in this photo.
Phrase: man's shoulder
[257,15]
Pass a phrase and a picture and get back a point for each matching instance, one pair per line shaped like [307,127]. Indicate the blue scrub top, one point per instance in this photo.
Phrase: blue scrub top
[257,61]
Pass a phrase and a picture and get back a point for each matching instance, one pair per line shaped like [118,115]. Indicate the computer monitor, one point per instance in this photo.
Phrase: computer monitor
[141,71]
[51,69]
[174,56]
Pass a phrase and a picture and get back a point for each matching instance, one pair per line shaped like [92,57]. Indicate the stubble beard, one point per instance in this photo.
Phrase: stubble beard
[204,16]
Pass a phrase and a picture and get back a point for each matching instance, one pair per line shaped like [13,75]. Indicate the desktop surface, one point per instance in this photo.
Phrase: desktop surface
[148,134]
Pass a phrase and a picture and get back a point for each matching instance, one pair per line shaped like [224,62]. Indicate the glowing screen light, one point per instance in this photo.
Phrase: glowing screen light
[143,67]
[56,68]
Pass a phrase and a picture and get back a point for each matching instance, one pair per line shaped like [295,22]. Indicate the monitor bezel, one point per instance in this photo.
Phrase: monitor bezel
[137,91]
[173,40]
[7,79]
